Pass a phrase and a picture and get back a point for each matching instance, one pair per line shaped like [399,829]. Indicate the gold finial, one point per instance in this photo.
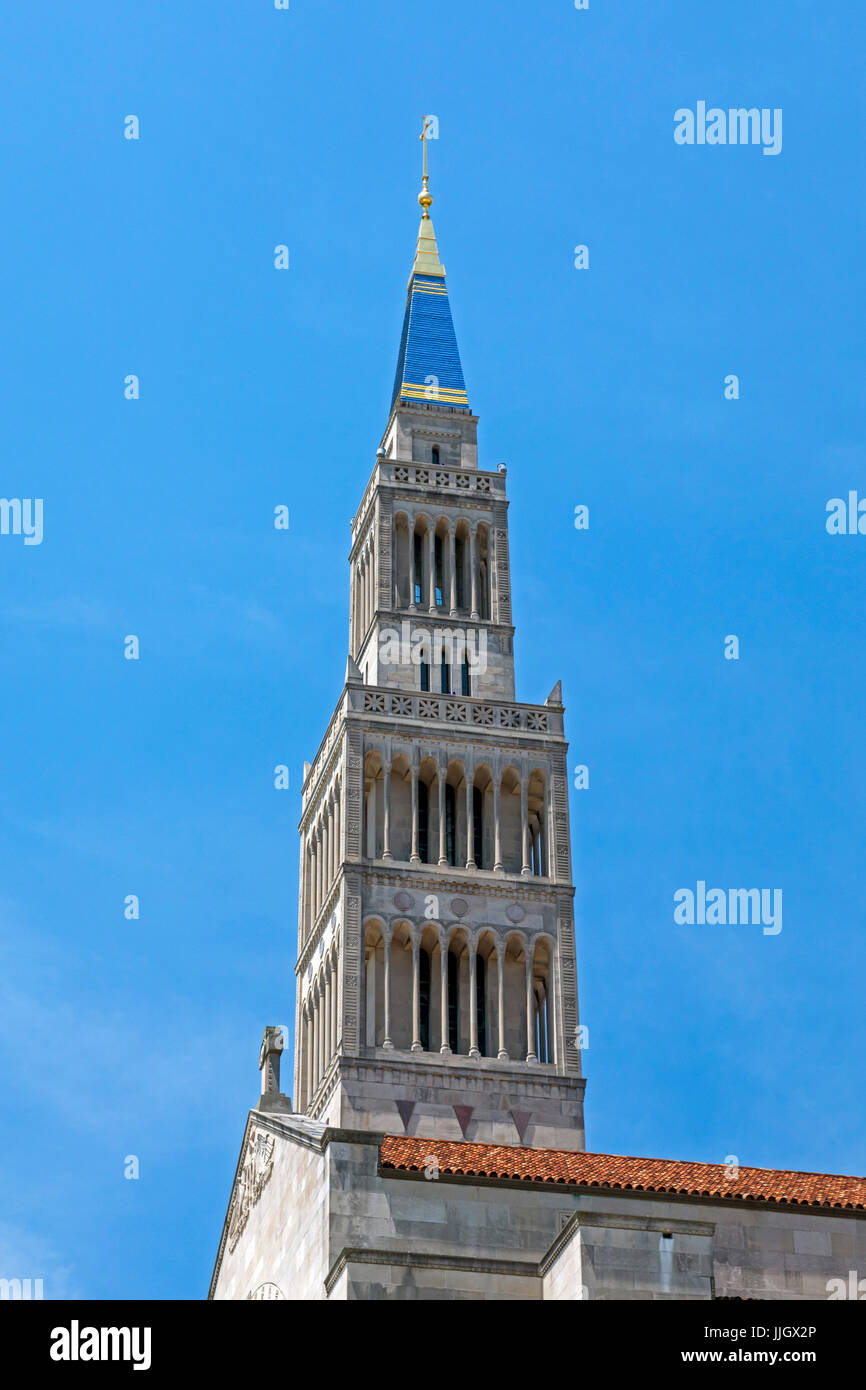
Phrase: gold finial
[425,197]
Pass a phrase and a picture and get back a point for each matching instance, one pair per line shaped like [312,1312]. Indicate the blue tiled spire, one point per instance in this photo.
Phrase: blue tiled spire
[428,365]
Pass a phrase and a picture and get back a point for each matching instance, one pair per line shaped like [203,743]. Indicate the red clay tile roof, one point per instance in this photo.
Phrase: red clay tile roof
[587,1170]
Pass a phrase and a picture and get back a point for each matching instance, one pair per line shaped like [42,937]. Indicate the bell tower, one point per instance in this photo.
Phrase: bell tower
[436,976]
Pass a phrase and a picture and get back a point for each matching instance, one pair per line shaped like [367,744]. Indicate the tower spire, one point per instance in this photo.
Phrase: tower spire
[428,366]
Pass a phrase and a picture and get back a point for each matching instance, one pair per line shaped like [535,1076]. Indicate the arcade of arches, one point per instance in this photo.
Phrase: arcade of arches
[492,998]
[427,812]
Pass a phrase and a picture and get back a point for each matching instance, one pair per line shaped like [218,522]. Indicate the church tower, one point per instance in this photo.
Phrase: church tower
[436,978]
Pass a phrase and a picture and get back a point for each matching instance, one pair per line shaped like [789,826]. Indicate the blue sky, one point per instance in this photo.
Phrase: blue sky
[259,387]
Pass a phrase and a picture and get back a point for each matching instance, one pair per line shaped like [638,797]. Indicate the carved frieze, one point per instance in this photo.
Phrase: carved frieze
[256,1171]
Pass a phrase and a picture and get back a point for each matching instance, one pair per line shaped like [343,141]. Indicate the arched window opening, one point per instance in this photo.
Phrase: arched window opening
[424,996]
[484,595]
[425,675]
[460,566]
[434,454]
[465,678]
[424,822]
[453,1003]
[440,583]
[478,826]
[445,677]
[481,1003]
[540,1022]
[450,824]
[418,552]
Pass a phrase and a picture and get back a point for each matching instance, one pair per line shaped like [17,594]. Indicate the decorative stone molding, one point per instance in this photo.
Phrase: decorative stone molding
[266,1291]
[461,710]
[255,1174]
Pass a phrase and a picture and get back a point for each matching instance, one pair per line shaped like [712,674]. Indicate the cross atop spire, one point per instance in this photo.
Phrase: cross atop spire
[425,197]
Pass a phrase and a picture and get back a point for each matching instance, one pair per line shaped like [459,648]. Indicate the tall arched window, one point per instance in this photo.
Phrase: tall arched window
[424,996]
[481,1002]
[453,1003]
[460,567]
[445,676]
[478,826]
[418,551]
[450,824]
[425,675]
[424,822]
[439,580]
[541,1039]
[434,454]
[465,678]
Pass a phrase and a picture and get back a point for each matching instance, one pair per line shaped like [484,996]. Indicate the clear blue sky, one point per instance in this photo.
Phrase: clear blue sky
[261,387]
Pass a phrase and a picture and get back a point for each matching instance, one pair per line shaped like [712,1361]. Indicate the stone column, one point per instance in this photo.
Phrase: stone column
[308,890]
[470,825]
[332,1007]
[473,567]
[326,1022]
[386,1041]
[445,1047]
[414,857]
[497,823]
[330,987]
[317,874]
[353,614]
[308,1046]
[530,1008]
[525,866]
[500,982]
[366,591]
[386,828]
[335,1011]
[320,1010]
[557,1055]
[452,568]
[326,855]
[416,995]
[371,820]
[338,827]
[315,1037]
[431,550]
[311,882]
[443,855]
[320,841]
[362,593]
[473,1001]
[321,857]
